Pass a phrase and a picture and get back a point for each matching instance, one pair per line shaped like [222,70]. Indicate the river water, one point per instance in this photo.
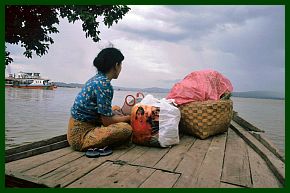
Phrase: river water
[33,115]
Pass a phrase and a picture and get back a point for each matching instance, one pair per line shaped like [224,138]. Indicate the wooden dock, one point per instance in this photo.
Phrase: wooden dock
[238,158]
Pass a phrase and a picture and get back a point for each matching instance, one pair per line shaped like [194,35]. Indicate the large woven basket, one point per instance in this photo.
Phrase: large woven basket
[207,118]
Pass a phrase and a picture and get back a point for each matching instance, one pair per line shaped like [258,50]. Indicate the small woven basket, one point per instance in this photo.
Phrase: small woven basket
[206,118]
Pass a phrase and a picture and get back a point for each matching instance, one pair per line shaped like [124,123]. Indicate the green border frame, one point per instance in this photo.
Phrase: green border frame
[134,2]
[149,2]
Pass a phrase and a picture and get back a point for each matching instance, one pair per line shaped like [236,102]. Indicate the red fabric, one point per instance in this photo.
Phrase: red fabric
[145,124]
[200,86]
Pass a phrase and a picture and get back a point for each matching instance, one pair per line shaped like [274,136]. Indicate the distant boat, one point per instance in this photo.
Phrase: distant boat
[29,80]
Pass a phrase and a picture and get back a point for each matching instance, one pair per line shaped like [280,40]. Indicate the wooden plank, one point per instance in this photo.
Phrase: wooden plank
[31,162]
[121,176]
[160,179]
[134,153]
[275,164]
[171,160]
[113,179]
[75,166]
[96,177]
[236,169]
[36,151]
[245,124]
[136,177]
[226,185]
[192,162]
[262,176]
[86,167]
[67,169]
[18,180]
[209,173]
[151,157]
[53,164]
[34,145]
[268,144]
[111,175]
[259,135]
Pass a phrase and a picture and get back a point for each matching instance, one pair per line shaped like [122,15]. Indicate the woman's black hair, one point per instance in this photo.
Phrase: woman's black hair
[107,59]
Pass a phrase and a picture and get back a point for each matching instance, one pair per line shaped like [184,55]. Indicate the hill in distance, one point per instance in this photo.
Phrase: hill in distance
[148,90]
[259,94]
[68,85]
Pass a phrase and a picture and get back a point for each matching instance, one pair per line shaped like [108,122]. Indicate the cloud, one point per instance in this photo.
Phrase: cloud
[162,44]
[152,22]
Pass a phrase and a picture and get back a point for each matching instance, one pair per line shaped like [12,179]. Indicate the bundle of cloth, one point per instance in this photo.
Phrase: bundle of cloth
[201,86]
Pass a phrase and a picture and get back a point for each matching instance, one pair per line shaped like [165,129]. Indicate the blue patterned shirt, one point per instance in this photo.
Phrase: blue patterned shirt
[94,99]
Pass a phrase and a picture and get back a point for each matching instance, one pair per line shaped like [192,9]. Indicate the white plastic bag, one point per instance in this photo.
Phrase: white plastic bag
[169,117]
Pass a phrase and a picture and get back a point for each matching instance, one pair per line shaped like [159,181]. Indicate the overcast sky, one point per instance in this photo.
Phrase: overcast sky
[162,44]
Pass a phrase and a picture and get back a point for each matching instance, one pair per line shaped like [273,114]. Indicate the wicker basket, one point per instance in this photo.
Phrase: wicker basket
[207,118]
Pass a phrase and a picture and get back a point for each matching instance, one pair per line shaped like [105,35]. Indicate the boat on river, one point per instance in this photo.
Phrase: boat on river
[28,80]
[242,157]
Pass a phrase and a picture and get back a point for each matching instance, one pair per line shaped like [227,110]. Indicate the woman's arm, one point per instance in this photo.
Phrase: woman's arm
[115,119]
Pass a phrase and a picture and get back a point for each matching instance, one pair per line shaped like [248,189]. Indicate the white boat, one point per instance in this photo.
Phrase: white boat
[28,80]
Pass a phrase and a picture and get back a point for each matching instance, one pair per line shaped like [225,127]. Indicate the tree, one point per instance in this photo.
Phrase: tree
[31,26]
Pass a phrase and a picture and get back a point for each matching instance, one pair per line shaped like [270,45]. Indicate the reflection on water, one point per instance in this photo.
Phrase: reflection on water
[32,115]
[28,94]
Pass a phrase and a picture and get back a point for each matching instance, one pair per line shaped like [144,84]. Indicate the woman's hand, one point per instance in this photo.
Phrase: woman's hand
[115,119]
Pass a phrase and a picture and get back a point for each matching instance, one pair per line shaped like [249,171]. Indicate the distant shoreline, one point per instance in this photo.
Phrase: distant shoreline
[273,98]
[247,94]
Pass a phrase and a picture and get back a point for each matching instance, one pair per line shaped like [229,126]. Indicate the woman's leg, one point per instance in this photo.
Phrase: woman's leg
[76,132]
[100,137]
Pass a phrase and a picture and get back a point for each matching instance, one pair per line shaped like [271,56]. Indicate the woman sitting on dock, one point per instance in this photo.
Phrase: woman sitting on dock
[92,123]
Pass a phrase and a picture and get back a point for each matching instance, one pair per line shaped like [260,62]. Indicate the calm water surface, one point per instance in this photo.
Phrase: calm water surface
[33,115]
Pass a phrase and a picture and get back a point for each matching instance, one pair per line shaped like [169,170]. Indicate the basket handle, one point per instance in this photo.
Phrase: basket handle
[139,93]
[126,100]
